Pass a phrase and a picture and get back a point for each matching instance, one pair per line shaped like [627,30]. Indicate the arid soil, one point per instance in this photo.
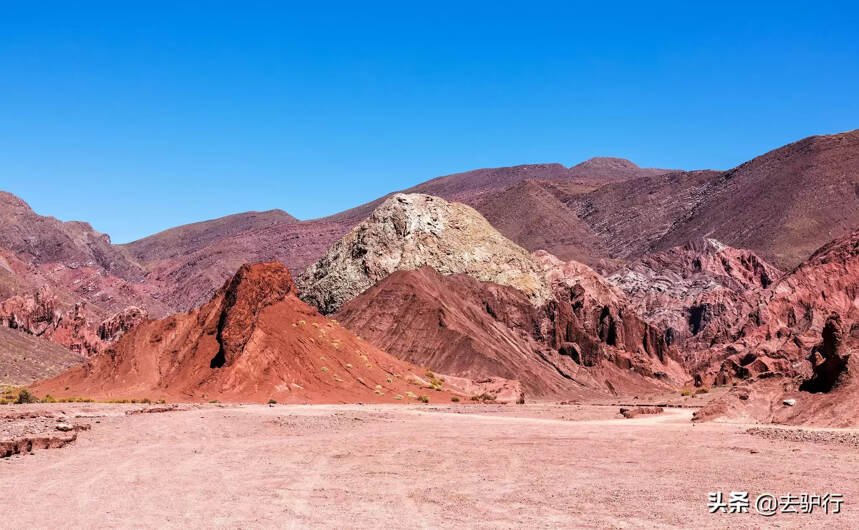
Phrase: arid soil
[24,358]
[418,466]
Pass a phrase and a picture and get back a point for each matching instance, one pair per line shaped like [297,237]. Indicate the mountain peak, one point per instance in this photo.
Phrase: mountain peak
[606,162]
[410,231]
[9,200]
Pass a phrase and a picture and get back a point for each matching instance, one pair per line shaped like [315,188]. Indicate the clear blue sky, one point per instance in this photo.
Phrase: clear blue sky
[141,119]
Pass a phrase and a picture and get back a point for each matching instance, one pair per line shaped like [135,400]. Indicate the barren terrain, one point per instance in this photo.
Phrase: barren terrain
[428,466]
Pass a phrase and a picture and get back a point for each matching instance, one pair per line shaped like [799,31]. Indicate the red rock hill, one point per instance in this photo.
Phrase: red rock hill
[253,341]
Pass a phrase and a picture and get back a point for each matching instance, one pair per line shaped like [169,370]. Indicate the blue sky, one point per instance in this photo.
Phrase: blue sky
[139,119]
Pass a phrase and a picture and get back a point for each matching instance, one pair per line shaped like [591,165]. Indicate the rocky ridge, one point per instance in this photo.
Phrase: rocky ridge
[799,344]
[254,341]
[585,338]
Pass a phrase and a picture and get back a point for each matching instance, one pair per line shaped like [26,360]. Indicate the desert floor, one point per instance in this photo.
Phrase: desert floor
[407,466]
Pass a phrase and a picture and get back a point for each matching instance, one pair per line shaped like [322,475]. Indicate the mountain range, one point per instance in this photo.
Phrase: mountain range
[602,277]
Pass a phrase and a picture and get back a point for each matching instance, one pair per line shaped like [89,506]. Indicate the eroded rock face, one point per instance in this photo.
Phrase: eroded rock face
[113,328]
[807,329]
[593,319]
[828,358]
[60,280]
[407,232]
[460,326]
[584,339]
[39,314]
[45,240]
[699,293]
[803,312]
[77,328]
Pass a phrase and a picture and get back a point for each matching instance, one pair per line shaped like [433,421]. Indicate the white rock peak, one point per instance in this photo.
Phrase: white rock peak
[410,231]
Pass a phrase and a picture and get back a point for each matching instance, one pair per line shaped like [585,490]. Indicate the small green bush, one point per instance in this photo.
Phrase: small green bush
[24,396]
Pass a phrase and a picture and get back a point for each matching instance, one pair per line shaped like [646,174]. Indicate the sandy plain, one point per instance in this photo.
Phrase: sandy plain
[410,466]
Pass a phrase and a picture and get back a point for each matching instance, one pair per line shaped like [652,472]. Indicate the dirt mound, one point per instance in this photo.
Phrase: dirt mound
[630,413]
[412,231]
[254,341]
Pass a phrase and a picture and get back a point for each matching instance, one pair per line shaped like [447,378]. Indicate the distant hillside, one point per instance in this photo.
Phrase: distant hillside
[193,260]
[192,237]
[784,204]
[781,205]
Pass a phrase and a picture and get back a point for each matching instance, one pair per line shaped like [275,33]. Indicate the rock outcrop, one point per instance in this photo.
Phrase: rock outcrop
[594,321]
[254,341]
[43,240]
[113,328]
[699,293]
[461,326]
[40,315]
[411,231]
[585,339]
[43,315]
[803,338]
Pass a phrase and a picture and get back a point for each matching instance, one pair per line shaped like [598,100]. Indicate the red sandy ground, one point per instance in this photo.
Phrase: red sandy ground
[451,466]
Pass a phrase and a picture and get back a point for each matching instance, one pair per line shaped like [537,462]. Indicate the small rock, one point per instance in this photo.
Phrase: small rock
[64,427]
[789,402]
